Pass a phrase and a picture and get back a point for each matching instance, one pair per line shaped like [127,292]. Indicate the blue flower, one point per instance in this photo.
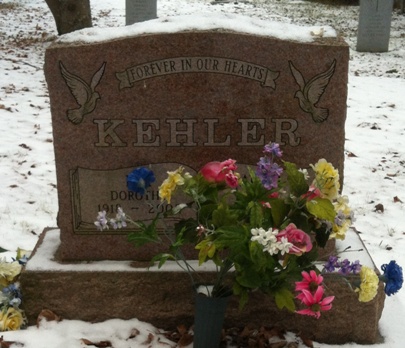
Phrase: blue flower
[392,277]
[140,179]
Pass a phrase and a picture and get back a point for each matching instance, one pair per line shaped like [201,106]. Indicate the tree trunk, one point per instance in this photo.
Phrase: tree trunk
[70,15]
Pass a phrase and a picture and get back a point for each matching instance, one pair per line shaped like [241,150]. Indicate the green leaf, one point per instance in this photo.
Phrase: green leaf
[248,277]
[207,250]
[146,234]
[232,238]
[162,258]
[322,235]
[139,239]
[256,214]
[296,179]
[256,254]
[279,211]
[223,216]
[243,294]
[176,210]
[322,208]
[2,250]
[284,298]
[186,231]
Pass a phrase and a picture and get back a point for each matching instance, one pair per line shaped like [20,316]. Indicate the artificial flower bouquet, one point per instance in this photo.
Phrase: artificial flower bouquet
[11,316]
[262,228]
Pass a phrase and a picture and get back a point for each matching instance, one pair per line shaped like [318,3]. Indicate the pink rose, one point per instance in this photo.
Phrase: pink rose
[300,240]
[312,193]
[220,172]
[232,180]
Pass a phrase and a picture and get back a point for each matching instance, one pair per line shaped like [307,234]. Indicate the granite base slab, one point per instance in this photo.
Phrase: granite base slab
[102,290]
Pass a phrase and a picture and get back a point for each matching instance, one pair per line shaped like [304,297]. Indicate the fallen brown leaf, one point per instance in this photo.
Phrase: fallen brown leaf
[307,342]
[47,315]
[101,344]
[397,200]
[8,344]
[185,340]
[134,332]
[182,329]
[280,344]
[149,339]
[379,208]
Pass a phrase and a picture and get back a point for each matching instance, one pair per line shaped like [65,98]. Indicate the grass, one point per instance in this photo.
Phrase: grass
[337,2]
[9,6]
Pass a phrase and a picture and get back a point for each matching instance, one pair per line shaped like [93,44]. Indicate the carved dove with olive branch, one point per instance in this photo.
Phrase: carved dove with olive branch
[84,94]
[311,92]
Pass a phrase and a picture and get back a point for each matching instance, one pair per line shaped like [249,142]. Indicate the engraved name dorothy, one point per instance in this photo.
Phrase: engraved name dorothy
[182,132]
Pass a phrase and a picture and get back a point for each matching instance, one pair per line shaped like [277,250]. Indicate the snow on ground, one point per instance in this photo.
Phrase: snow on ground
[374,165]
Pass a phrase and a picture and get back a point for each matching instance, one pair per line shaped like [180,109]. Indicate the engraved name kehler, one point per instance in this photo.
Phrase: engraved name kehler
[147,131]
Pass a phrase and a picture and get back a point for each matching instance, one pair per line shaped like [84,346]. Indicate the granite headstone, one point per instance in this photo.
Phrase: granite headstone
[374,25]
[140,10]
[182,98]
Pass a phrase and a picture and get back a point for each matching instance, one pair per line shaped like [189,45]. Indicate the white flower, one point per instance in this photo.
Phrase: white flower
[269,240]
[284,245]
[271,248]
[263,237]
[305,172]
[259,235]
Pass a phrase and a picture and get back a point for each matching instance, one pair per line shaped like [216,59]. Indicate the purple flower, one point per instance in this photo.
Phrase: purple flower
[356,267]
[331,264]
[344,267]
[102,222]
[273,149]
[268,172]
[140,179]
[392,277]
[120,220]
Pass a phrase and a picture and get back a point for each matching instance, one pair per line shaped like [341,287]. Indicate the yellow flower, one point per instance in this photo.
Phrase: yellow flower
[8,272]
[343,218]
[369,284]
[339,231]
[11,320]
[326,179]
[170,184]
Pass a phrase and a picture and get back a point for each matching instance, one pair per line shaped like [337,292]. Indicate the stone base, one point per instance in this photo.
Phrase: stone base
[101,290]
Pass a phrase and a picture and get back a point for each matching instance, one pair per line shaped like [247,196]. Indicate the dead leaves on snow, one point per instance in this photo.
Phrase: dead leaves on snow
[8,344]
[181,336]
[47,315]
[101,344]
[263,337]
[247,337]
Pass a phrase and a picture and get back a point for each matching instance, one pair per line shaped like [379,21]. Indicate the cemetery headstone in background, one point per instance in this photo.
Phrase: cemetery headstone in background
[140,10]
[374,25]
[185,98]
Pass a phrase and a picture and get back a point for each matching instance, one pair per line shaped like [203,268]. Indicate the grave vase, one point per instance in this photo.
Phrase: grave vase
[209,316]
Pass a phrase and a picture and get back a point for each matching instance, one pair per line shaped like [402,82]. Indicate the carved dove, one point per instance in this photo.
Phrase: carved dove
[85,95]
[310,93]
